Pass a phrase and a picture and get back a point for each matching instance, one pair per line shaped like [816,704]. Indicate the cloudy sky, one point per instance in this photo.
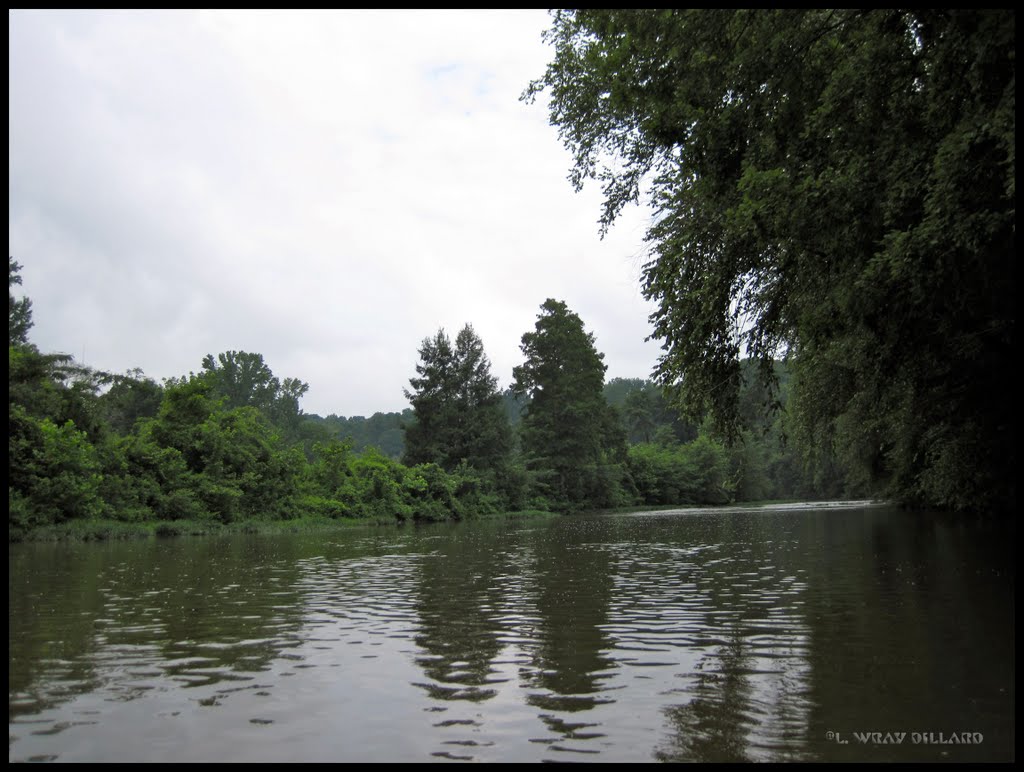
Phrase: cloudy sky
[326,189]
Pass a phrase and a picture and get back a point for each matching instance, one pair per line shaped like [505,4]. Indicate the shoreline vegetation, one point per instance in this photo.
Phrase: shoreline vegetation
[95,456]
[117,530]
[99,457]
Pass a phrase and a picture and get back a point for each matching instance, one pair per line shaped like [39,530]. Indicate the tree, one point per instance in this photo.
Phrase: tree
[457,409]
[243,379]
[646,412]
[383,431]
[19,311]
[571,437]
[235,464]
[54,474]
[50,386]
[833,186]
[130,397]
[639,416]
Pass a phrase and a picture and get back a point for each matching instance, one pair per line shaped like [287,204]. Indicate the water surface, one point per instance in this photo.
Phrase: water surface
[780,634]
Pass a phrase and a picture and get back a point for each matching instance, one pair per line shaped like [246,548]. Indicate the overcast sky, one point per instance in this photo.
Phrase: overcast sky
[323,188]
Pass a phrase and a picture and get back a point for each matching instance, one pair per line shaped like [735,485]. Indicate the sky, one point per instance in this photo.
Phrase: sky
[326,189]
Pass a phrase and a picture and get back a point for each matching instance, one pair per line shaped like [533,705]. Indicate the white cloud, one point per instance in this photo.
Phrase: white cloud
[324,188]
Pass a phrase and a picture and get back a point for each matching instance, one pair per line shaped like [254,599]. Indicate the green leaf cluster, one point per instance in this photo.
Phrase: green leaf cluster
[694,473]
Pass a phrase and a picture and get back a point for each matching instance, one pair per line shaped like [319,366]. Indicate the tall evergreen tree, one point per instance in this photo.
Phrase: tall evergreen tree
[571,438]
[458,411]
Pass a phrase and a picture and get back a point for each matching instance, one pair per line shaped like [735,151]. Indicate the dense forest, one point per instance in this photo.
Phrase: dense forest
[230,443]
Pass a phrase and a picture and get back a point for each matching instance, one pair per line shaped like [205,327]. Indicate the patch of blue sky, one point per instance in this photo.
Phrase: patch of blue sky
[444,70]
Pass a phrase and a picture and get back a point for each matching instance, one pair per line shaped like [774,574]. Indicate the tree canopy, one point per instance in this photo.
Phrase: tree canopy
[458,411]
[243,379]
[832,186]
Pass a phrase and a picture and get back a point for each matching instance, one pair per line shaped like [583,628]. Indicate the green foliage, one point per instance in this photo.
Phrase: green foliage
[329,469]
[57,474]
[515,406]
[694,473]
[321,507]
[130,397]
[239,466]
[145,481]
[836,186]
[381,430]
[54,470]
[197,460]
[571,438]
[340,483]
[646,412]
[366,485]
[187,404]
[748,470]
[53,386]
[618,390]
[242,379]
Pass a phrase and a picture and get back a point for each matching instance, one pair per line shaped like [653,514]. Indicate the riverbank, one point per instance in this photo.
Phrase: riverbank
[114,530]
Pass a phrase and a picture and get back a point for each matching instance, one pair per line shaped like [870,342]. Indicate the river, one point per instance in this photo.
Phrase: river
[833,632]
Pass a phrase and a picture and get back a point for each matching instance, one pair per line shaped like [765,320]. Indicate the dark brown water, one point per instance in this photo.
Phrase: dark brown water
[776,634]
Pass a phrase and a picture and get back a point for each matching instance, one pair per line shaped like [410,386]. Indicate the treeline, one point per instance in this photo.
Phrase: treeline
[382,431]
[230,444]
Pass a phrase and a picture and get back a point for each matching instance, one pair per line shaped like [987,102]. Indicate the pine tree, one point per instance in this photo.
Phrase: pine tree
[571,438]
[458,410]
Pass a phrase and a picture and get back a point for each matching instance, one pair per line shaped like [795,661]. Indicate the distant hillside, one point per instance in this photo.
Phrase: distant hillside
[643,409]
